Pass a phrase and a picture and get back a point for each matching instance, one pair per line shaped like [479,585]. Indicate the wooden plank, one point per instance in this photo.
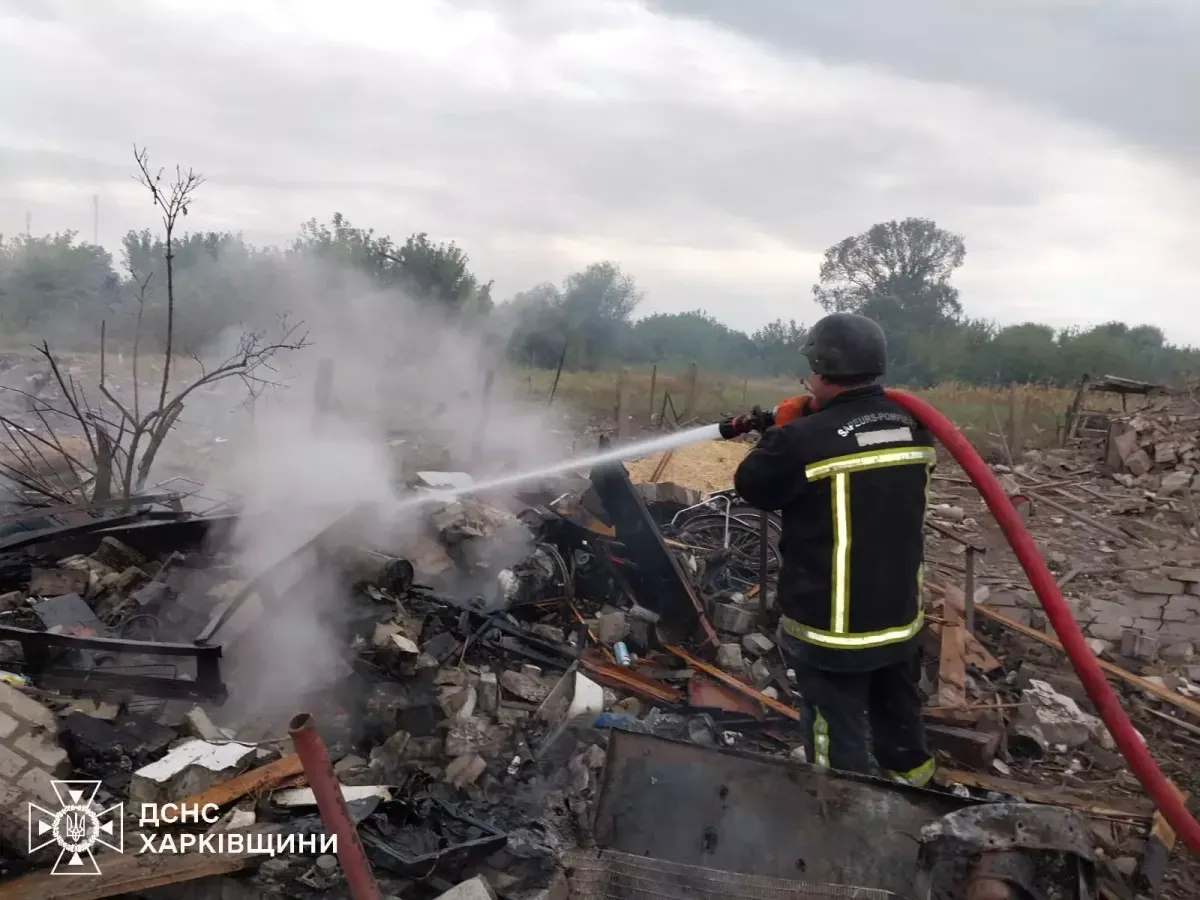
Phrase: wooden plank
[1162,693]
[1034,794]
[974,653]
[122,874]
[952,670]
[264,778]
[964,745]
[738,685]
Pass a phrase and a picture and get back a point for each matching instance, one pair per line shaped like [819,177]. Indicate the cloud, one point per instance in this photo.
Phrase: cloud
[714,159]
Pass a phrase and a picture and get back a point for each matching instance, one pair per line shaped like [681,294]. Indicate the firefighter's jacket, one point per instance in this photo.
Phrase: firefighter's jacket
[851,483]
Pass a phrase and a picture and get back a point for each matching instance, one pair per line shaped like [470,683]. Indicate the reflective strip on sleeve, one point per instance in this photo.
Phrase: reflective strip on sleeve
[860,641]
[872,459]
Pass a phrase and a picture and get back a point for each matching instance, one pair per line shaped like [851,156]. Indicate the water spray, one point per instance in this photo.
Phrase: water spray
[672,441]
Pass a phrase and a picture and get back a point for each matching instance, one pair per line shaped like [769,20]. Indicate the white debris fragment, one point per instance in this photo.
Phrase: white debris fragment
[187,769]
[293,797]
[1058,719]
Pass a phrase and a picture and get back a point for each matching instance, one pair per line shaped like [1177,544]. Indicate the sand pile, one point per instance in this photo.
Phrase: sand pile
[702,467]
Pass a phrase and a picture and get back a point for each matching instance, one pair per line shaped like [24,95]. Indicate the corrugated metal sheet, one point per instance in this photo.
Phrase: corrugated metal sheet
[609,875]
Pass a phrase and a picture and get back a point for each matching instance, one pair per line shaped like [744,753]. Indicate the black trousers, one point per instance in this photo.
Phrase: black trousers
[846,711]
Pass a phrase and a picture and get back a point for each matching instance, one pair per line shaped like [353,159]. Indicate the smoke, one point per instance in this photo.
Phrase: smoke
[406,394]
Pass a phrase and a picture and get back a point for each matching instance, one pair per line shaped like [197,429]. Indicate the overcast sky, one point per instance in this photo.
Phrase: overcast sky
[714,148]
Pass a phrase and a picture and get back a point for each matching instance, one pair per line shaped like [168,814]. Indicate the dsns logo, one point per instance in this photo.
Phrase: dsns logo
[77,827]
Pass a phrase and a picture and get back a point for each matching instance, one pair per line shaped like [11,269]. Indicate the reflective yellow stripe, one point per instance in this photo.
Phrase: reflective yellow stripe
[820,740]
[852,641]
[918,777]
[839,616]
[921,567]
[838,470]
[875,459]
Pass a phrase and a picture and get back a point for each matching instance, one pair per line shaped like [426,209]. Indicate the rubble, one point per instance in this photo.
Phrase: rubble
[187,769]
[476,888]
[30,758]
[475,696]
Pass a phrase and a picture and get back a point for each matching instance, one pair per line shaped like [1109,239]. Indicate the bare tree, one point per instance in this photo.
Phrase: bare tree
[123,439]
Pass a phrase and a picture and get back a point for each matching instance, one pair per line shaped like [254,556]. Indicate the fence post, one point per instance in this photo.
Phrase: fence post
[623,403]
[562,358]
[689,402]
[653,384]
[1015,438]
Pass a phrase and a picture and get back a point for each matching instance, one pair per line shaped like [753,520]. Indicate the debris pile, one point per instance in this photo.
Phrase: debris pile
[1156,446]
[491,655]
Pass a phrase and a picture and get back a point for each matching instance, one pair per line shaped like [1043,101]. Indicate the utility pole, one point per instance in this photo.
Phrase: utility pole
[95,218]
[28,223]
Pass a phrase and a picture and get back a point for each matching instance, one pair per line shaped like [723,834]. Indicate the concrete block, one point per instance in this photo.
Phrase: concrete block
[200,725]
[757,644]
[488,692]
[1105,631]
[35,783]
[475,736]
[56,582]
[611,626]
[1156,586]
[1147,606]
[1180,631]
[465,770]
[1181,609]
[11,764]
[1180,652]
[476,888]
[760,672]
[25,708]
[729,657]
[1106,610]
[43,749]
[529,688]
[1139,646]
[1178,573]
[7,725]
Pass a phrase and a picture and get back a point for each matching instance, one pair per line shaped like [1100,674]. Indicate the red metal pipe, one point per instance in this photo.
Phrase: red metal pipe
[332,806]
[1168,801]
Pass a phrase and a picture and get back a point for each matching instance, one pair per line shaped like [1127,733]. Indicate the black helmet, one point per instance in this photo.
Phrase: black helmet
[845,345]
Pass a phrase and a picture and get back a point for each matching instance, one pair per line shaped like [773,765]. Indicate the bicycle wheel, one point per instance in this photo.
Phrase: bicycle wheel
[736,567]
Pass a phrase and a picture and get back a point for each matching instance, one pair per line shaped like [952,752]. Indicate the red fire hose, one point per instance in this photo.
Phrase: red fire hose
[1169,803]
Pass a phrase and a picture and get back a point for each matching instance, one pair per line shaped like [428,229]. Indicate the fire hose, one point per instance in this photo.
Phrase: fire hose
[1165,798]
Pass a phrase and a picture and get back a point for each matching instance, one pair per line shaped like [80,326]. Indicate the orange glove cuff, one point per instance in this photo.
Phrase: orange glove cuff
[793,408]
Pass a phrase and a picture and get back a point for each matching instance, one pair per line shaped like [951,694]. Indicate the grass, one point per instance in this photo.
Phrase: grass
[979,411]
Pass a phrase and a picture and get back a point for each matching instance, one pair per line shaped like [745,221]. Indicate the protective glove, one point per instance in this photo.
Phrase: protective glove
[793,408]
[758,420]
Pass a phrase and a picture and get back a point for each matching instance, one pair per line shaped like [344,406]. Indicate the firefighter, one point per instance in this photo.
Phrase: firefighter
[848,470]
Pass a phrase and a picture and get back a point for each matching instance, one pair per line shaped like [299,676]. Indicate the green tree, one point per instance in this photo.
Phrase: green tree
[437,275]
[672,340]
[777,346]
[1025,353]
[54,278]
[536,325]
[596,305]
[898,273]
